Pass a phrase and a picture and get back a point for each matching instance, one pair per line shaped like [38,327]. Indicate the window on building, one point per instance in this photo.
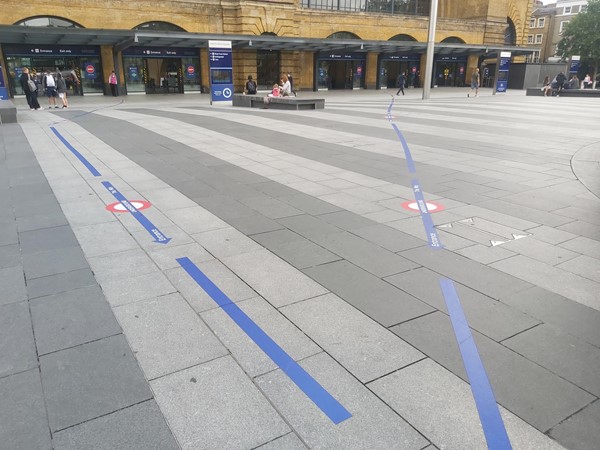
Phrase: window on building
[541,22]
[55,22]
[531,23]
[158,26]
[534,57]
[404,7]
[510,33]
[530,39]
[538,38]
[567,10]
[563,24]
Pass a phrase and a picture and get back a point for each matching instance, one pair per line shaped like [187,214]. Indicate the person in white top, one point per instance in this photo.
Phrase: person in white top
[587,82]
[49,85]
[286,87]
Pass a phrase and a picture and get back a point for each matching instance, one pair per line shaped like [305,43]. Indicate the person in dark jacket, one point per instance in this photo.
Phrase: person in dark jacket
[250,86]
[25,86]
[400,82]
[560,83]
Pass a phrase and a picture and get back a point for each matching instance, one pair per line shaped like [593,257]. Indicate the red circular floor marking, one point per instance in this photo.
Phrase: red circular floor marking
[118,207]
[432,207]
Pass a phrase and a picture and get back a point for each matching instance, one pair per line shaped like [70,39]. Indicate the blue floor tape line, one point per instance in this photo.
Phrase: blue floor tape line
[158,236]
[489,414]
[313,390]
[432,236]
[79,156]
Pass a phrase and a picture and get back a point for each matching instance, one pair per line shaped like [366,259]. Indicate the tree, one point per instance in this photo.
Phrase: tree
[581,36]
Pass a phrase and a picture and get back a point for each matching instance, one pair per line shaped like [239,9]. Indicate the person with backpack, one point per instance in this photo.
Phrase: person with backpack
[250,86]
[61,87]
[49,86]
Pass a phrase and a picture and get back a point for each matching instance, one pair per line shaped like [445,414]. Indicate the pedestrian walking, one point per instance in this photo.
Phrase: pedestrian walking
[474,83]
[61,88]
[112,80]
[400,82]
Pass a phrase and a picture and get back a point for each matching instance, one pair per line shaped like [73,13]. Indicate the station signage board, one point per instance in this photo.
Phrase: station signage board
[220,60]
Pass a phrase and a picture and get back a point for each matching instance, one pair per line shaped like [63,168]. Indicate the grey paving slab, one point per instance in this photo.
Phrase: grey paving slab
[43,204]
[165,256]
[215,405]
[122,265]
[346,220]
[373,424]
[17,347]
[226,280]
[23,420]
[275,280]
[528,390]
[374,297]
[302,253]
[255,223]
[490,282]
[556,280]
[441,406]
[104,238]
[570,316]
[53,262]
[288,442]
[581,429]
[563,354]
[71,318]
[12,284]
[10,256]
[195,219]
[60,282]
[270,207]
[309,226]
[91,380]
[486,315]
[584,245]
[123,291]
[492,215]
[584,266]
[167,335]
[368,256]
[540,251]
[485,254]
[362,346]
[138,427]
[388,238]
[310,205]
[92,212]
[575,212]
[550,235]
[9,233]
[249,356]
[582,228]
[226,242]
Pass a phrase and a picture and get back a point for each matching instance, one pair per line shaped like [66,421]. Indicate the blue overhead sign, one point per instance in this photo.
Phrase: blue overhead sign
[160,52]
[220,61]
[50,50]
[335,56]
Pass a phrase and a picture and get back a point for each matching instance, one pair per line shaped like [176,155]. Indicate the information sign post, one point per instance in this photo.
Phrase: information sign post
[221,72]
[574,64]
[502,67]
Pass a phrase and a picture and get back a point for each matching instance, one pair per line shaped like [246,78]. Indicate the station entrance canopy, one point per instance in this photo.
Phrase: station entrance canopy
[123,39]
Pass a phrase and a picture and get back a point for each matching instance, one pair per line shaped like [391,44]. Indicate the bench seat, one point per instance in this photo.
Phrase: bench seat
[294,103]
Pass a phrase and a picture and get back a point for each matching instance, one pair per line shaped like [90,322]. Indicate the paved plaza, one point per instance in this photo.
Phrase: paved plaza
[180,275]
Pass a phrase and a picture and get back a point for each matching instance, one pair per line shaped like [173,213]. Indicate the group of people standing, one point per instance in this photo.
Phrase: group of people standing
[52,85]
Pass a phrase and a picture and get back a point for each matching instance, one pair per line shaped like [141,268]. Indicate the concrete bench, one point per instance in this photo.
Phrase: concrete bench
[566,92]
[257,101]
[8,112]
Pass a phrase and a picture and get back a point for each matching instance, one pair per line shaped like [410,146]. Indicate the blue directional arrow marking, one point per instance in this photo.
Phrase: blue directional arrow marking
[158,236]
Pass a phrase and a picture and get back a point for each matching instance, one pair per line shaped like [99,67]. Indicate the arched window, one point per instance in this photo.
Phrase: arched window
[48,21]
[268,33]
[453,40]
[158,26]
[403,37]
[510,33]
[343,35]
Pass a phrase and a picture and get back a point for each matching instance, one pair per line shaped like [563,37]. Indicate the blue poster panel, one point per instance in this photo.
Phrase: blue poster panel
[3,92]
[221,71]
[503,67]
[574,65]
